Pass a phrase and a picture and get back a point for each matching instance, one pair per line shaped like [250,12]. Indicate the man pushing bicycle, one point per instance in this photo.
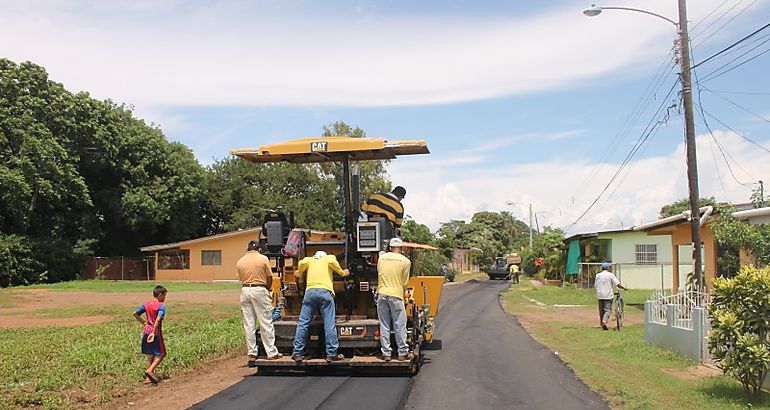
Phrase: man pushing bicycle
[605,283]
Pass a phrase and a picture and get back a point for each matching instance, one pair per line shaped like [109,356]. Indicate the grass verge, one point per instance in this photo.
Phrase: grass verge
[109,286]
[75,366]
[553,295]
[627,371]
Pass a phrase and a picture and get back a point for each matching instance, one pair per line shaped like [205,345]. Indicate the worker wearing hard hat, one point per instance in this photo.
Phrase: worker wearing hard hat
[392,277]
[319,295]
[387,204]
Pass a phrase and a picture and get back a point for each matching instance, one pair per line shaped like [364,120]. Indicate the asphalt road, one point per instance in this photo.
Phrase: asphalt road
[488,361]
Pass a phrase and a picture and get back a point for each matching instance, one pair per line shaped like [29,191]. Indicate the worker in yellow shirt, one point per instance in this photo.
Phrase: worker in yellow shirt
[392,277]
[319,294]
[514,271]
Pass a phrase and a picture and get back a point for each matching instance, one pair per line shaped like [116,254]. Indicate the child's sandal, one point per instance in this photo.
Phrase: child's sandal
[152,377]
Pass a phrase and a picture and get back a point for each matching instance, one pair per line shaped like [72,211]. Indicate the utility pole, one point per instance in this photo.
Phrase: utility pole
[692,161]
[530,226]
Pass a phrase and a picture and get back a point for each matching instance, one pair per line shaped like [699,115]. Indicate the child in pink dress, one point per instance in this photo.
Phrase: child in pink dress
[152,335]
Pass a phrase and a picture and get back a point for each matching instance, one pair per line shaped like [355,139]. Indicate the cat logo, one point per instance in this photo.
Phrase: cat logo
[320,146]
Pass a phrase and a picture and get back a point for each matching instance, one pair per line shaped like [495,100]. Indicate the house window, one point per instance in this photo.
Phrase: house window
[209,258]
[646,254]
[174,259]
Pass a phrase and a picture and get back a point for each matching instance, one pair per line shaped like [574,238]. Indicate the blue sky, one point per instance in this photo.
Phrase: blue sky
[527,102]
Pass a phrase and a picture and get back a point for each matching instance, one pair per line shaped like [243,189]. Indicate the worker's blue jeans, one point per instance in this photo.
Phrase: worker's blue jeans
[323,300]
[392,314]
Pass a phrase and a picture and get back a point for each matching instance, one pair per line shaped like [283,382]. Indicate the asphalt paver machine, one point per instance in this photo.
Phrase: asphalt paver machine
[357,248]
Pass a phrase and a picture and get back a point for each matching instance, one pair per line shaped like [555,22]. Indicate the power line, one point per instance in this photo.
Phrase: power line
[728,21]
[739,92]
[642,103]
[731,46]
[651,126]
[734,131]
[738,105]
[713,138]
[695,26]
[714,74]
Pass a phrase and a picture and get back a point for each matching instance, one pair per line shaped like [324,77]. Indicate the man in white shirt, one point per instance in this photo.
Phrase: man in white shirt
[605,283]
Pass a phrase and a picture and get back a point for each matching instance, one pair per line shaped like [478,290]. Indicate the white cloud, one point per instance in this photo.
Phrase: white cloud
[653,182]
[497,143]
[243,53]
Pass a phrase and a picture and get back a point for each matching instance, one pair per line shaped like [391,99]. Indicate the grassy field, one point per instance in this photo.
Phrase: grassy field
[626,370]
[65,367]
[111,286]
[87,365]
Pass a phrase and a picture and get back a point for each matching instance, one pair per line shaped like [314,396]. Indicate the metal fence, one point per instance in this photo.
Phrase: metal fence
[119,268]
[683,304]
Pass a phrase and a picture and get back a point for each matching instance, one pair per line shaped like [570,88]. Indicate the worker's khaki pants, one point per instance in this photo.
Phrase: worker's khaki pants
[256,305]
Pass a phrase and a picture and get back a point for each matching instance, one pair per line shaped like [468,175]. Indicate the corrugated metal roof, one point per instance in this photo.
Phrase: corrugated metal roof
[174,245]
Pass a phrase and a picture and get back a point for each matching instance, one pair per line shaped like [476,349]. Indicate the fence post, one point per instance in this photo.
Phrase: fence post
[662,281]
[670,315]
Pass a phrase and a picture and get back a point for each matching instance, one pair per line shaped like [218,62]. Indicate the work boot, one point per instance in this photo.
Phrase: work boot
[384,357]
[297,358]
[335,358]
[407,357]
[252,362]
[277,356]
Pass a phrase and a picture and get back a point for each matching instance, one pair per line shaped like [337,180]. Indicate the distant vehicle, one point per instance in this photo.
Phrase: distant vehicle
[499,269]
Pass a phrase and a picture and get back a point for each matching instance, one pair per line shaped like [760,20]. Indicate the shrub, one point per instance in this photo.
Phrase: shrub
[740,321]
[428,263]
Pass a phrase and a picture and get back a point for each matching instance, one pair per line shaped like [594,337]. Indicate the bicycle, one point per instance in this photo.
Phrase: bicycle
[619,305]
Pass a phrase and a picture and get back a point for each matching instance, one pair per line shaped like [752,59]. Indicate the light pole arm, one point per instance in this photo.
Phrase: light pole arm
[645,12]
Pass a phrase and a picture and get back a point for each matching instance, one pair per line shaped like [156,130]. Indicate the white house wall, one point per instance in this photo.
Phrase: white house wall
[639,276]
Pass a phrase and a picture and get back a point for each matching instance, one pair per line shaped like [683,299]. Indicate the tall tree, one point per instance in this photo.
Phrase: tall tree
[79,175]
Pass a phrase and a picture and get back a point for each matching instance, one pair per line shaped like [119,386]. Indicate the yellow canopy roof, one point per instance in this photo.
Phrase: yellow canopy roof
[331,149]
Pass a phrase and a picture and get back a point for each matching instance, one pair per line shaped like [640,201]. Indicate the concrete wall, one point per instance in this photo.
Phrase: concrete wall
[688,343]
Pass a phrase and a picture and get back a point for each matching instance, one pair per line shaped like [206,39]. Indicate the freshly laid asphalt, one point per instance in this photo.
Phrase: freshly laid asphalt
[488,361]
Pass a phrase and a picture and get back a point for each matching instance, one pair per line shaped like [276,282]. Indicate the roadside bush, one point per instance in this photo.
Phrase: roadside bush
[451,274]
[17,262]
[428,263]
[740,322]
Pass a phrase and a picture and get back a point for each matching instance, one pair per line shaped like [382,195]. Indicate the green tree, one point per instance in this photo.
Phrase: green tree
[240,193]
[549,246]
[79,176]
[677,207]
[412,231]
[496,234]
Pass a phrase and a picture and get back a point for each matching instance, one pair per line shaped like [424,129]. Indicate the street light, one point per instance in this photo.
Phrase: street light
[689,124]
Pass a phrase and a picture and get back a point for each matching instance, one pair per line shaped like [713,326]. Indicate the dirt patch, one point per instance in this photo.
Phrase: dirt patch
[579,315]
[184,391]
[693,372]
[28,322]
[26,305]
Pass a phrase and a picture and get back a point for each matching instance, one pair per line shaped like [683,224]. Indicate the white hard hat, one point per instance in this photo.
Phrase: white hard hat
[396,243]
[319,254]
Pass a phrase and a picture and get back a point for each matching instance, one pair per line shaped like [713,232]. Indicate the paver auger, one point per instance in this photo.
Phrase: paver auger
[357,248]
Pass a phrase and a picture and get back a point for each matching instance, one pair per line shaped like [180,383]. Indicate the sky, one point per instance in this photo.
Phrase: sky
[521,103]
